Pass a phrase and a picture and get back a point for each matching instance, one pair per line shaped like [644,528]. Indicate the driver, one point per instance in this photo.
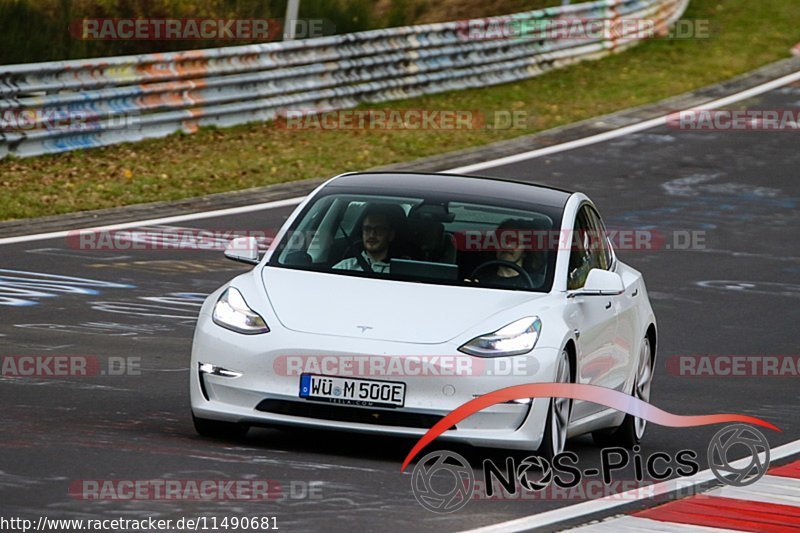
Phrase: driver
[377,234]
[532,261]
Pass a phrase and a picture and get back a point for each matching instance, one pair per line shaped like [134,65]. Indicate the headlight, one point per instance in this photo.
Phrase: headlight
[517,338]
[232,312]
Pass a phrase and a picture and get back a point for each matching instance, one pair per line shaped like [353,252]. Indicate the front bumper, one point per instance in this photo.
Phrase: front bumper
[265,390]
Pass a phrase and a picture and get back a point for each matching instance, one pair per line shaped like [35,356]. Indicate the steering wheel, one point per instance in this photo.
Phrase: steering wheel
[508,264]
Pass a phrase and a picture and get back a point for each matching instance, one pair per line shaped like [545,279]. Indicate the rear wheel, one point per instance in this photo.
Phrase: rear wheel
[219,429]
[555,432]
[631,431]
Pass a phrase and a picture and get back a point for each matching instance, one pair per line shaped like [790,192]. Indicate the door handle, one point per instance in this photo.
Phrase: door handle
[608,305]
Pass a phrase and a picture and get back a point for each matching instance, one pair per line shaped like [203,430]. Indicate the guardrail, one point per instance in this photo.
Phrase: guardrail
[67,105]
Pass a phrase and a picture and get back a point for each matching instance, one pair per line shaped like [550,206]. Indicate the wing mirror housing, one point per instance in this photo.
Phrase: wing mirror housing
[600,283]
[243,249]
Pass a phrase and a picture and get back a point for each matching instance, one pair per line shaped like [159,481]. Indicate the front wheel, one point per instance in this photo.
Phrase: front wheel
[555,432]
[218,429]
[631,431]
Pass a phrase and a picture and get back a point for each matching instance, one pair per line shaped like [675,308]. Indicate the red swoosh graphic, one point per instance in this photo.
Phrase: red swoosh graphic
[590,393]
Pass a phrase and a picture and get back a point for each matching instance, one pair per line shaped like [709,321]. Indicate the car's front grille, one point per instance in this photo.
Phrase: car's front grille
[382,417]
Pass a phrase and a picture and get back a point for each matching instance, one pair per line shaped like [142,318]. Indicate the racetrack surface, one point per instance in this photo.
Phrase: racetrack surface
[738,296]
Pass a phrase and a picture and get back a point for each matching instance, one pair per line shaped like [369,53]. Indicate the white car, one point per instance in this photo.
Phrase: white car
[389,299]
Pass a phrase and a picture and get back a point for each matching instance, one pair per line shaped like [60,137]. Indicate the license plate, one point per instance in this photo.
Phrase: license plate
[350,391]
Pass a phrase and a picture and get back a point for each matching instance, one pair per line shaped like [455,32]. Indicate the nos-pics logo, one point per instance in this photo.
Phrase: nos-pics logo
[444,482]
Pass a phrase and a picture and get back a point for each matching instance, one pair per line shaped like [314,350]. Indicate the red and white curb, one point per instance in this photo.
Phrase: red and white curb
[770,505]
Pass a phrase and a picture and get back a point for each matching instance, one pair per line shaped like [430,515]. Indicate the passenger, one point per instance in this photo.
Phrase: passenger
[377,233]
[530,259]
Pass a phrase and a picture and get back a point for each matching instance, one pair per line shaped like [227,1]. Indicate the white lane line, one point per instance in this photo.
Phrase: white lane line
[166,220]
[627,130]
[607,503]
[768,489]
[594,139]
[632,524]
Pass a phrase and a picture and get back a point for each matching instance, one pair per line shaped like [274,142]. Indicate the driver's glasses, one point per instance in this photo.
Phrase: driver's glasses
[377,230]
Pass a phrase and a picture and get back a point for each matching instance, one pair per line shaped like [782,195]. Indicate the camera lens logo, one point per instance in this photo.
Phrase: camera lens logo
[534,473]
[442,482]
[738,437]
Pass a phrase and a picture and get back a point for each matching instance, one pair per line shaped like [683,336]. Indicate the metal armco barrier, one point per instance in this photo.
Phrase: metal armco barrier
[67,105]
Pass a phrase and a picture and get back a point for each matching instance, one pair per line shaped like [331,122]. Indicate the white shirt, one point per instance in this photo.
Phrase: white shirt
[351,263]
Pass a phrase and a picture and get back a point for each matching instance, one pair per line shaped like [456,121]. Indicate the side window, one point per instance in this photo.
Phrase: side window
[580,260]
[602,238]
[589,248]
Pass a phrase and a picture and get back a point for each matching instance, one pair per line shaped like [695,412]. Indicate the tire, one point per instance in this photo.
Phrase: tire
[632,429]
[558,414]
[218,429]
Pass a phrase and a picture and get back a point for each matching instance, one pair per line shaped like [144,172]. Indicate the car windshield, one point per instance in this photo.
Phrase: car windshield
[425,239]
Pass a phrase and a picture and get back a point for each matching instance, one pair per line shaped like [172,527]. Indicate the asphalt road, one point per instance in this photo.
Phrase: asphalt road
[739,295]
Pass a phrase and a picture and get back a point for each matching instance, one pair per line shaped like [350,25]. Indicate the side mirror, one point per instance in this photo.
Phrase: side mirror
[600,283]
[243,249]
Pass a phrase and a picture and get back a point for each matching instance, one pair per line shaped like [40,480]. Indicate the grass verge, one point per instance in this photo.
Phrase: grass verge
[744,36]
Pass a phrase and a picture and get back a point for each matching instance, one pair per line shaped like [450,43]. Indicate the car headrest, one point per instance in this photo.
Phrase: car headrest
[395,213]
[435,212]
[427,234]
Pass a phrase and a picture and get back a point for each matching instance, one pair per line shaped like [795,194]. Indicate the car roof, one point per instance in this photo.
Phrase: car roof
[481,186]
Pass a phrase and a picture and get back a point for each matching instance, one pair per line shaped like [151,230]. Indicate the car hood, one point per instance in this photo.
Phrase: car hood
[364,308]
